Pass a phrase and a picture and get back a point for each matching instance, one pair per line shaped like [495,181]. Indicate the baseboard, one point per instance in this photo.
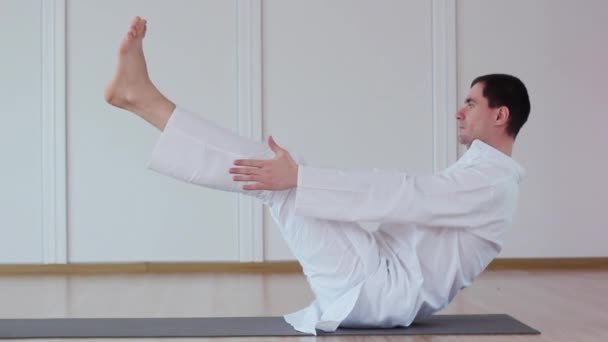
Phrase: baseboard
[276,267]
[549,264]
[154,267]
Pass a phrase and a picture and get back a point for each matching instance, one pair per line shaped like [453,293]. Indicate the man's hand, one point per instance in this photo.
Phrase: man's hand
[279,173]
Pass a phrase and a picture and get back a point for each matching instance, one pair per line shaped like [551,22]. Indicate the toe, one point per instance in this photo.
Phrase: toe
[141,24]
[135,21]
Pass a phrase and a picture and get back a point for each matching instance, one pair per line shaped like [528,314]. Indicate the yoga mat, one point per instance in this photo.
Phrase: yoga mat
[493,324]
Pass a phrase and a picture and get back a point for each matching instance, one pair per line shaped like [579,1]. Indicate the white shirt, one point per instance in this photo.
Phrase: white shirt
[438,233]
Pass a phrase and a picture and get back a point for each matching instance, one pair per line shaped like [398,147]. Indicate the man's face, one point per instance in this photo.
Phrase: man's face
[475,117]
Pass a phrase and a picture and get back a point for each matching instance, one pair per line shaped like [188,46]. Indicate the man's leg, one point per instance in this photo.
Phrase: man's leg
[131,89]
[334,255]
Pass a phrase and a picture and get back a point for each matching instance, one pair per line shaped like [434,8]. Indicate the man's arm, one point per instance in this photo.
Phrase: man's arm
[460,199]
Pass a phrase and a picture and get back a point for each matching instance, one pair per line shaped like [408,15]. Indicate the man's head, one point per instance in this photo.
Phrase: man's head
[495,109]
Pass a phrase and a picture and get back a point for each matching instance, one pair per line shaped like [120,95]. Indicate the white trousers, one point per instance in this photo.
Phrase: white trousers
[335,256]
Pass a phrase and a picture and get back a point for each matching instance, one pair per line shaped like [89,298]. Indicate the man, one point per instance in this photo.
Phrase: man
[437,233]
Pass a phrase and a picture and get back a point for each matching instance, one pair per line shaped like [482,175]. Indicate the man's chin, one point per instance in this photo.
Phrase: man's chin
[464,141]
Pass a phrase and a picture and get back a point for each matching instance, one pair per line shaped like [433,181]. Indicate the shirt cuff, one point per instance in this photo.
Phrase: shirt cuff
[177,151]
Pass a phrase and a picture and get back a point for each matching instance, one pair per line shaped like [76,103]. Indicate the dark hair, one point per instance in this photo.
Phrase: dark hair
[509,91]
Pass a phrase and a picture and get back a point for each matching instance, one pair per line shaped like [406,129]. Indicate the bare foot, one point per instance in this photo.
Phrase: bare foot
[131,88]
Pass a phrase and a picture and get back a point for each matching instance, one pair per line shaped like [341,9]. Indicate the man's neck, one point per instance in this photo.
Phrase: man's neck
[506,147]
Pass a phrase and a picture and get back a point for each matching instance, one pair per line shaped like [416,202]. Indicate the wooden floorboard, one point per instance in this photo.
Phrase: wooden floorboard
[564,305]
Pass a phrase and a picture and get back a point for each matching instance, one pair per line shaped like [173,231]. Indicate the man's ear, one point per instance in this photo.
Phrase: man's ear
[502,116]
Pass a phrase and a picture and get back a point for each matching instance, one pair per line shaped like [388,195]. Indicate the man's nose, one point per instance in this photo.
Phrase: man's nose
[459,114]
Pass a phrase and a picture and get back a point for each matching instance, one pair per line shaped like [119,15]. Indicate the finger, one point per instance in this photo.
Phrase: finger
[246,178]
[273,145]
[249,162]
[243,170]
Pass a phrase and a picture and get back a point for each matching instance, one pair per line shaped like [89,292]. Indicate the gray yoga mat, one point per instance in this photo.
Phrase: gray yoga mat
[495,324]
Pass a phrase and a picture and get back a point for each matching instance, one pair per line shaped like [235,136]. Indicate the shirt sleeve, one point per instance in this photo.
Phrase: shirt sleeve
[462,198]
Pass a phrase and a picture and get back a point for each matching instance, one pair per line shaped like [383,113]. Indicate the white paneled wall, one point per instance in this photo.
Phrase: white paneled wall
[344,83]
[118,209]
[558,50]
[347,84]
[21,137]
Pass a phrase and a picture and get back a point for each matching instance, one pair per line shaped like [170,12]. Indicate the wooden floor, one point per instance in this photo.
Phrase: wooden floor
[563,305]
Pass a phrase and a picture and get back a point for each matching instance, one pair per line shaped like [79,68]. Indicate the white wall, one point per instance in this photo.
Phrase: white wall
[119,210]
[347,84]
[337,78]
[20,140]
[558,49]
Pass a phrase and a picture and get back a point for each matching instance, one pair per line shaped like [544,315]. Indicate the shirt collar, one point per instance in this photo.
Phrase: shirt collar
[481,148]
